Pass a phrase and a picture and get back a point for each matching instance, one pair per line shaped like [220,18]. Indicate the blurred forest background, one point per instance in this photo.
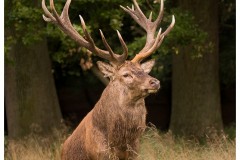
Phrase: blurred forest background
[50,80]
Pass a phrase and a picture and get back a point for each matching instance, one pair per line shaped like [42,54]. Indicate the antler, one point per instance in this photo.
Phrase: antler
[64,23]
[150,27]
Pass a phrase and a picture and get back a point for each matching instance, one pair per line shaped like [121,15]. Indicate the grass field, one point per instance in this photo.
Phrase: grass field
[154,146]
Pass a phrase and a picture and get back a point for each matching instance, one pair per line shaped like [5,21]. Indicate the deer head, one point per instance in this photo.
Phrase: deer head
[126,73]
[131,80]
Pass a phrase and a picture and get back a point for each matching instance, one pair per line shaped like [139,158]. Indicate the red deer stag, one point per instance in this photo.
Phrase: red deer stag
[113,127]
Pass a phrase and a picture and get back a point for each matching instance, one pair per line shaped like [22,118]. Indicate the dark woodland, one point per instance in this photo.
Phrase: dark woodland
[51,81]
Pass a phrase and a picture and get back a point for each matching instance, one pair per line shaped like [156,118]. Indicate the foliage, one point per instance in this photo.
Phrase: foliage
[66,54]
[230,131]
[187,31]
[21,25]
[23,20]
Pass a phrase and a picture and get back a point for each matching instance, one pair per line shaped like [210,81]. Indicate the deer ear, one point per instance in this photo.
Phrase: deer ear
[147,66]
[107,69]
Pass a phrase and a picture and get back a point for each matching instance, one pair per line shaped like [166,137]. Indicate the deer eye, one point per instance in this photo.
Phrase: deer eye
[127,75]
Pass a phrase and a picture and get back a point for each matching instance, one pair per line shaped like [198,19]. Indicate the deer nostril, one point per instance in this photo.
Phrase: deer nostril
[154,82]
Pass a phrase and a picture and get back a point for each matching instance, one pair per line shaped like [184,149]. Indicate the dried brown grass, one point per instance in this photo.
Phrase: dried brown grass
[157,146]
[154,146]
[35,147]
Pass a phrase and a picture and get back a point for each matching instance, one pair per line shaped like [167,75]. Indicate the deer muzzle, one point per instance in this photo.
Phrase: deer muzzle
[154,85]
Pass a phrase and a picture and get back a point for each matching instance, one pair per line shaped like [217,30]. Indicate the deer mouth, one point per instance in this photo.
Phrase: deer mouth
[152,90]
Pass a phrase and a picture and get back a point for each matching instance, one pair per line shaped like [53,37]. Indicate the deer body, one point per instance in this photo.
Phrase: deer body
[111,130]
[117,121]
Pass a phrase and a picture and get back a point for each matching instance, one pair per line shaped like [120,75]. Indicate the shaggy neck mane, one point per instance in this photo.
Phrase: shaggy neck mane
[120,96]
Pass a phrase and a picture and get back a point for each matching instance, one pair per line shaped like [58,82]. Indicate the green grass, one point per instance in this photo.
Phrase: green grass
[154,146]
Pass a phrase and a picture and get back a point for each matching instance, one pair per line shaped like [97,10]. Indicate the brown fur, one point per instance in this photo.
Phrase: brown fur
[113,127]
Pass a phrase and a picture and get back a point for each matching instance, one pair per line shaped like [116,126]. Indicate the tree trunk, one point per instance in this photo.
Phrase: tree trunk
[195,82]
[30,96]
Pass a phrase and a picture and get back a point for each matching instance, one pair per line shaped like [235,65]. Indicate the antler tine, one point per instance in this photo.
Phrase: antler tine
[136,13]
[170,26]
[140,14]
[65,17]
[107,46]
[150,27]
[139,57]
[160,15]
[158,41]
[87,35]
[130,11]
[123,57]
[64,23]
[118,59]
[111,56]
[150,16]
[49,17]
